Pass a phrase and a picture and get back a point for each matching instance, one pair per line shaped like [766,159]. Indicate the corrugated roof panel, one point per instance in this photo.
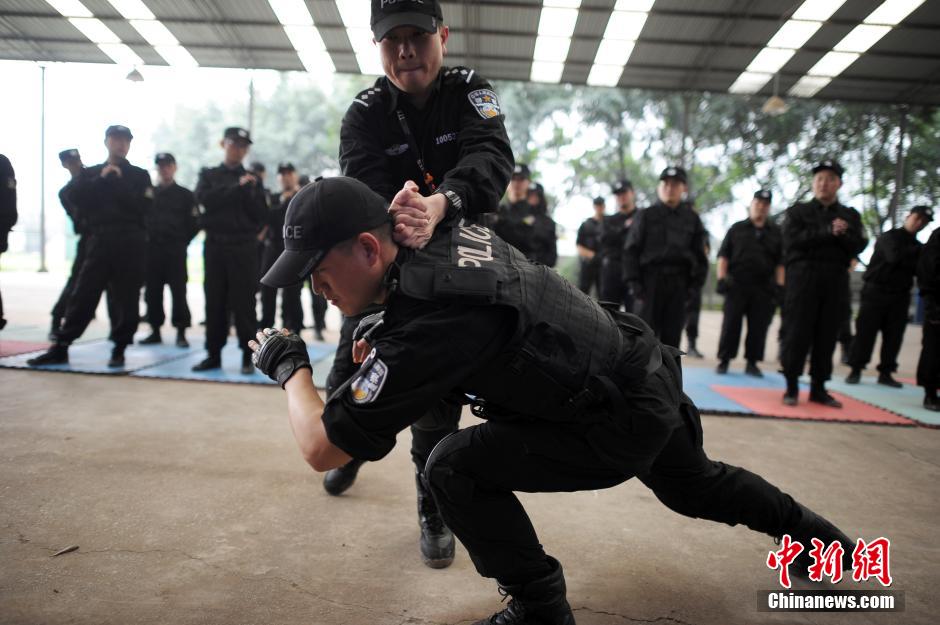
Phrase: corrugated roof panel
[44,27]
[514,19]
[687,28]
[260,36]
[507,46]
[345,62]
[669,55]
[910,41]
[334,39]
[176,9]
[583,50]
[885,67]
[325,13]
[197,34]
[718,7]
[216,57]
[504,70]
[81,52]
[590,24]
[28,6]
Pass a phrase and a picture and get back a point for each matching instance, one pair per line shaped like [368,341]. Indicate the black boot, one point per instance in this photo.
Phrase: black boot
[792,396]
[931,401]
[338,481]
[752,370]
[214,361]
[539,602]
[153,339]
[248,367]
[854,376]
[57,354]
[722,367]
[181,338]
[692,352]
[117,356]
[437,541]
[887,379]
[819,395]
[809,526]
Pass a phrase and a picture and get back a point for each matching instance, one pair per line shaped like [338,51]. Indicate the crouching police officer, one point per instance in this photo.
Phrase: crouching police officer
[575,396]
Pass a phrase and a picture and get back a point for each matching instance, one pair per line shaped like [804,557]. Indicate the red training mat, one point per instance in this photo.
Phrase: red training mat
[769,403]
[12,348]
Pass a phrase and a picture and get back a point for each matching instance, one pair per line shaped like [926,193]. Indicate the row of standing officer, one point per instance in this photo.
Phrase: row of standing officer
[522,220]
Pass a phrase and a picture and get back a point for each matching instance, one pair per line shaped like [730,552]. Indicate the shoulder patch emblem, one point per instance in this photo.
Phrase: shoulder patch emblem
[485,102]
[369,384]
[11,183]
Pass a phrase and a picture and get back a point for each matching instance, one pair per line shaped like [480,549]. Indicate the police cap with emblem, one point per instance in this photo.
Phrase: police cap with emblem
[390,14]
[164,158]
[521,170]
[238,134]
[924,211]
[118,130]
[321,215]
[622,186]
[283,167]
[764,195]
[676,173]
[68,155]
[599,201]
[831,165]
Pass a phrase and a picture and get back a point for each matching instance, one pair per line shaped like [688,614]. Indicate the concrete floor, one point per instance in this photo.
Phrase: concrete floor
[191,504]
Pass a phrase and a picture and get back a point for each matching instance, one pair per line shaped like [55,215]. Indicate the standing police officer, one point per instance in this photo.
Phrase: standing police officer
[589,249]
[292,314]
[8,214]
[664,257]
[928,279]
[172,225]
[613,238]
[514,220]
[441,128]
[235,208]
[113,200]
[750,271]
[544,228]
[575,396]
[886,297]
[820,238]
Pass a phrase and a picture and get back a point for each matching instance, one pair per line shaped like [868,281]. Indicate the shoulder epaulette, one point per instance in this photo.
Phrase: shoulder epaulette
[459,74]
[367,97]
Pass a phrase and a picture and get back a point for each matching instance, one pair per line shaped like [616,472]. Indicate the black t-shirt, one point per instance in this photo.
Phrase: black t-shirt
[807,234]
[230,209]
[113,203]
[893,263]
[753,253]
[174,217]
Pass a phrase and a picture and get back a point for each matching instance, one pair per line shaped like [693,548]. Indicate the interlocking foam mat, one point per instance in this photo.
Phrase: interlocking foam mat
[321,358]
[907,401]
[92,357]
[12,348]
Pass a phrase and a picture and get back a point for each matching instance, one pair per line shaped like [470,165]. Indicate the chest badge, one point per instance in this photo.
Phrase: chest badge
[372,378]
[485,102]
[396,150]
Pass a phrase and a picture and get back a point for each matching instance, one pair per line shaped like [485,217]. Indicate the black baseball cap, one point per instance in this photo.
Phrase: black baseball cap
[282,167]
[674,172]
[831,165]
[257,167]
[764,195]
[390,14]
[324,213]
[237,134]
[599,200]
[164,158]
[521,170]
[924,211]
[68,155]
[123,131]
[622,186]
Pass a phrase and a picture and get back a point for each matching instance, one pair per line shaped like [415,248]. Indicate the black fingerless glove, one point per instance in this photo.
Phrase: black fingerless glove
[280,356]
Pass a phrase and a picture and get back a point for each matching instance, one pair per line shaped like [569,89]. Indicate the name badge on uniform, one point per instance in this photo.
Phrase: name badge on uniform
[485,102]
[371,379]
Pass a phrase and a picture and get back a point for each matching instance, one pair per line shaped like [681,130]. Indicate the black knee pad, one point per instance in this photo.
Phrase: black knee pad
[443,474]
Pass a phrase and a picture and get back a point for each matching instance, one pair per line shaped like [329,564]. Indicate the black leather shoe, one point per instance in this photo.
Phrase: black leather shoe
[57,354]
[541,601]
[854,377]
[810,526]
[824,398]
[932,404]
[153,339]
[212,362]
[722,367]
[751,369]
[791,399]
[694,353]
[437,541]
[338,481]
[181,338]
[248,367]
[117,357]
[886,379]
[318,334]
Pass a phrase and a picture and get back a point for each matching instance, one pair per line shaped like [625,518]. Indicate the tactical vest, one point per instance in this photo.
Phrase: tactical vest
[567,353]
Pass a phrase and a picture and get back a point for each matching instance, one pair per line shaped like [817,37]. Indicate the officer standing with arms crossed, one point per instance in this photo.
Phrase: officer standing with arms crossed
[750,273]
[589,249]
[235,208]
[886,297]
[441,128]
[614,236]
[820,238]
[113,200]
[8,215]
[575,396]
[664,257]
[172,225]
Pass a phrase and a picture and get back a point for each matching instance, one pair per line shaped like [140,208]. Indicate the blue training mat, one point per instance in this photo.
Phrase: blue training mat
[92,357]
[697,382]
[907,402]
[231,366]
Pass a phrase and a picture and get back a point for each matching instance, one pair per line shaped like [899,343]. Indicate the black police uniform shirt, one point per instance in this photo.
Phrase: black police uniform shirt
[928,268]
[113,204]
[589,234]
[807,234]
[8,213]
[753,253]
[230,209]
[277,213]
[459,135]
[514,222]
[893,263]
[615,231]
[174,218]
[71,209]
[664,237]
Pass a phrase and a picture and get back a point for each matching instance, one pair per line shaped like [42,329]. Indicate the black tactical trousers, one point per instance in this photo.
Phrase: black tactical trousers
[319,305]
[928,367]
[665,295]
[693,309]
[814,308]
[427,431]
[231,280]
[657,438]
[612,286]
[589,276]
[114,262]
[885,313]
[58,310]
[755,304]
[166,265]
[292,313]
